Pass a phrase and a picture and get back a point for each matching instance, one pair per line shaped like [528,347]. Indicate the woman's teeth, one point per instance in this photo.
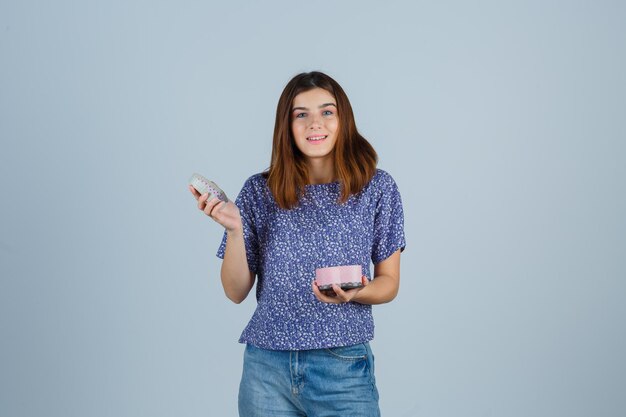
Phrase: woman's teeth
[314,138]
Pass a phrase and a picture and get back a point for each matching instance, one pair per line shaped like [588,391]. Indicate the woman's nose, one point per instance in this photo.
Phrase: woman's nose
[316,121]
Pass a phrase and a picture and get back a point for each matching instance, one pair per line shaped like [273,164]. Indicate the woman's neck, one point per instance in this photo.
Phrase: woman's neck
[321,171]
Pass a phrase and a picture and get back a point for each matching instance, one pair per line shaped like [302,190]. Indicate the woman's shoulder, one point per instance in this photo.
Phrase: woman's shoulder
[382,174]
[382,179]
[255,186]
[255,181]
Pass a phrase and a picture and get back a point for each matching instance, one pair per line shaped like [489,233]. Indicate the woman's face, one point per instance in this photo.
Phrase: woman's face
[314,122]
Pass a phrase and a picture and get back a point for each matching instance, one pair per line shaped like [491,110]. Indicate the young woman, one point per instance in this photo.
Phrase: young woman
[321,203]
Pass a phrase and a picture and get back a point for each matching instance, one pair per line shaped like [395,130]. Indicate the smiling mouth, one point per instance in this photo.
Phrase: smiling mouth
[316,138]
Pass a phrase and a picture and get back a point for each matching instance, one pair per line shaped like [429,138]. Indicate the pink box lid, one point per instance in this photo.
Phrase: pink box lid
[338,274]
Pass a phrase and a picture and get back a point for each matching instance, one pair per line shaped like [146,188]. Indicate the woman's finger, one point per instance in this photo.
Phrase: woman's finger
[195,192]
[323,298]
[210,205]
[202,201]
[341,294]
[216,208]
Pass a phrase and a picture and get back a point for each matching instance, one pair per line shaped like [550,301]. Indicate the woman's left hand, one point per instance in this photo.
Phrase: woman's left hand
[340,295]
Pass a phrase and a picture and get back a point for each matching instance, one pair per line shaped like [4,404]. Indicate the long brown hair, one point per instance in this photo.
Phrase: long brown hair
[354,157]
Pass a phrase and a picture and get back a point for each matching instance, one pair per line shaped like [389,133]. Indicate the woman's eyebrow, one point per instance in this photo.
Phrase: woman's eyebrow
[321,106]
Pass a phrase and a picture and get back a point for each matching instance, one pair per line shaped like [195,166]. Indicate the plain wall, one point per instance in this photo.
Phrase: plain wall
[501,122]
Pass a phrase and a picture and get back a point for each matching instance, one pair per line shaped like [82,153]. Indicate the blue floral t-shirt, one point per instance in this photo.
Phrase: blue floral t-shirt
[284,247]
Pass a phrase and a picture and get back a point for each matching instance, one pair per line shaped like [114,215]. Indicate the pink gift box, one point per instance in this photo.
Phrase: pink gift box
[346,276]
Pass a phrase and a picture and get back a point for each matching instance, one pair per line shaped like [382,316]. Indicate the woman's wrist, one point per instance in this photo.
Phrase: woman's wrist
[380,290]
[235,231]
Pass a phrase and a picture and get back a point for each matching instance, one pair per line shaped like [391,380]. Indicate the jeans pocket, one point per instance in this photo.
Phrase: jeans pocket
[349,353]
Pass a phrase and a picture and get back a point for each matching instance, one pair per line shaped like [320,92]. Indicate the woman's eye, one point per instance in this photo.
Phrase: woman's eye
[300,115]
[327,113]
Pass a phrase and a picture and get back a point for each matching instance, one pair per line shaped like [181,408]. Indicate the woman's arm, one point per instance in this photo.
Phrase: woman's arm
[382,289]
[237,279]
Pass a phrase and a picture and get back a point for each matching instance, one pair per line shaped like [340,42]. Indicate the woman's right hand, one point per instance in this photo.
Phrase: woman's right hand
[226,214]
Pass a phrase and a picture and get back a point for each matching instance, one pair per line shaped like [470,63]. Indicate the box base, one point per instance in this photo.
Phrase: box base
[328,289]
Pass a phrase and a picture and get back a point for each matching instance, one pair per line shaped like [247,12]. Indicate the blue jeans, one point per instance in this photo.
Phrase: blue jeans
[313,383]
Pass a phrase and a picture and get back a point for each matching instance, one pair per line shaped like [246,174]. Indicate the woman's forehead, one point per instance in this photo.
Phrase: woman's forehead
[316,96]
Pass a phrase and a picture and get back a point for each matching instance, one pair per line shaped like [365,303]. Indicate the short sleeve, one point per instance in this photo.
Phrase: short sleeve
[388,221]
[246,203]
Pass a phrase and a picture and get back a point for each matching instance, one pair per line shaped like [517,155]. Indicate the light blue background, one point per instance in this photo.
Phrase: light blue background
[503,124]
